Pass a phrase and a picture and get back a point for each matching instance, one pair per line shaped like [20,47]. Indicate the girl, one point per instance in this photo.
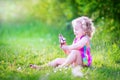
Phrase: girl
[79,51]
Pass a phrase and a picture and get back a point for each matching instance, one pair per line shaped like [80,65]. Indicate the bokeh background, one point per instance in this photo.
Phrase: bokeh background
[29,32]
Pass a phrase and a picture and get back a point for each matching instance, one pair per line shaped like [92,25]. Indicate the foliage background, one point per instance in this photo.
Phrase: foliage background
[26,24]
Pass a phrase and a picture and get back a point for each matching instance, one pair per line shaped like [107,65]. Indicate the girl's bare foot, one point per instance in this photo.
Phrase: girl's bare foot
[35,66]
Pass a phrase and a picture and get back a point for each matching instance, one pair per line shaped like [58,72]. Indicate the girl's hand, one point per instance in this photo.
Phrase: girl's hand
[62,40]
[65,47]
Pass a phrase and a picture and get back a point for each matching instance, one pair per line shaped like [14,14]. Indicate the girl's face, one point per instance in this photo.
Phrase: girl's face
[78,31]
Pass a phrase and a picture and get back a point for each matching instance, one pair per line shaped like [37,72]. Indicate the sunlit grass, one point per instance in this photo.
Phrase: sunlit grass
[36,43]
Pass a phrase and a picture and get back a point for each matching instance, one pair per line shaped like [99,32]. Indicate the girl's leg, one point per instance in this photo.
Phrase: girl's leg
[78,60]
[73,57]
[54,63]
[34,66]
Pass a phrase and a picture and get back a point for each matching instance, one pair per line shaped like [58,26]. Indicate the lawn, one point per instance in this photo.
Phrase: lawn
[22,44]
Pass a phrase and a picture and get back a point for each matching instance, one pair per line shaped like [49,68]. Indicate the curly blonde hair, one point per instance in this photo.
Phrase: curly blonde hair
[86,24]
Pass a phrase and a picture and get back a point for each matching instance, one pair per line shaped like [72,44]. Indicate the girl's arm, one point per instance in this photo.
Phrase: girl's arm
[62,41]
[66,51]
[77,45]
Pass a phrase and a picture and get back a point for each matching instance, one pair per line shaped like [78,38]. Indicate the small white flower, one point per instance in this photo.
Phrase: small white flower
[19,68]
[65,72]
[60,69]
[55,71]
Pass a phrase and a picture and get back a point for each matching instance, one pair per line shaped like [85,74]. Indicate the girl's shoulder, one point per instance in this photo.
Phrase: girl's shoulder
[85,38]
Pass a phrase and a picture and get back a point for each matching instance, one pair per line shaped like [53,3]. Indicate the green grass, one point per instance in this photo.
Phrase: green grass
[22,44]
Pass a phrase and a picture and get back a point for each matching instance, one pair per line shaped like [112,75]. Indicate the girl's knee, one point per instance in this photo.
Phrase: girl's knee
[75,52]
[52,63]
[57,60]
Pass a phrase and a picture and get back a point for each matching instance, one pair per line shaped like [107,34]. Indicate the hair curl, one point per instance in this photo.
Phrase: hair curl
[86,24]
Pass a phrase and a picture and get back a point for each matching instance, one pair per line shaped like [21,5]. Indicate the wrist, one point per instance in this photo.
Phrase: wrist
[69,47]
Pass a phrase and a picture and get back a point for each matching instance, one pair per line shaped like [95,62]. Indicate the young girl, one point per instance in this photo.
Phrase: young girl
[79,51]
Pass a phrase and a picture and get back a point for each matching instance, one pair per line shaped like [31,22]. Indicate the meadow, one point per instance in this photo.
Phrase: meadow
[34,42]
